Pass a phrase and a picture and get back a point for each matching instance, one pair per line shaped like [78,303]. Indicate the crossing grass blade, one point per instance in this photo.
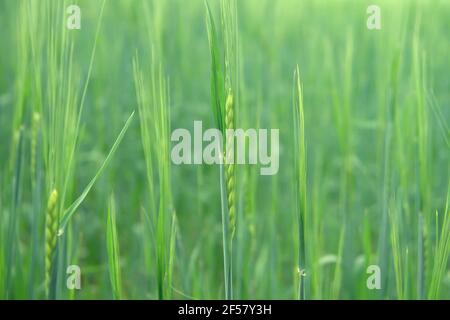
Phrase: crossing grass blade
[68,213]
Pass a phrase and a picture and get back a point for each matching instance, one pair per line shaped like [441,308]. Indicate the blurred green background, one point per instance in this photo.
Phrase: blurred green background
[377,111]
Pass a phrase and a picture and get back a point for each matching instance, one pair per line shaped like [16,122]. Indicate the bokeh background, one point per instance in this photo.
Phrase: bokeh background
[377,111]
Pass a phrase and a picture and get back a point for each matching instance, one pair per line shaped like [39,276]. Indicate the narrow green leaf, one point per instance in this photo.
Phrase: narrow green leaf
[113,250]
[68,213]
[217,79]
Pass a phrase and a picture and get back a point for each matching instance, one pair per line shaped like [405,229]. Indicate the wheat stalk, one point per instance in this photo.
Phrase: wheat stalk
[300,177]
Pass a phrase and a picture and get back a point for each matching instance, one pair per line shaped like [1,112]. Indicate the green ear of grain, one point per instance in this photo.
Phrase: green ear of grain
[224,120]
[113,250]
[51,234]
[68,213]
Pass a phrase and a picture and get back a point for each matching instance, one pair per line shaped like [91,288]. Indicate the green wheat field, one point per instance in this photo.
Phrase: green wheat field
[93,207]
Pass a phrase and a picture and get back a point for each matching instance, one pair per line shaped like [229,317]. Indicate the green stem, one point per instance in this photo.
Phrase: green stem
[225,236]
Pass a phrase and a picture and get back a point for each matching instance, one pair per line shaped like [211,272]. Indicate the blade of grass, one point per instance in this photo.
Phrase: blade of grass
[443,253]
[113,250]
[173,237]
[300,178]
[217,100]
[396,249]
[217,78]
[68,213]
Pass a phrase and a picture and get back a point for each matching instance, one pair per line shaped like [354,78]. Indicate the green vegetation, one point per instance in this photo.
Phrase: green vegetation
[86,176]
